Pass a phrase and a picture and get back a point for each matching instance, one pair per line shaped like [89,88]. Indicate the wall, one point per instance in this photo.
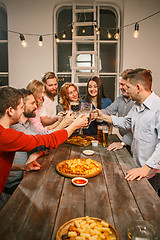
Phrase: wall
[37,17]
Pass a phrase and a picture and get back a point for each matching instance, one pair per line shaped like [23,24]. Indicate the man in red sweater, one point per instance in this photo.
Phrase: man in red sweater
[11,141]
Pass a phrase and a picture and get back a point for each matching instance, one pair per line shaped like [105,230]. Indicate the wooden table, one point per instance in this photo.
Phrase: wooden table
[45,200]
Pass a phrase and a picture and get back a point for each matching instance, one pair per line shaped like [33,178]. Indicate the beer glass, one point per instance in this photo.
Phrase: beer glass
[141,229]
[75,108]
[100,133]
[86,109]
[105,130]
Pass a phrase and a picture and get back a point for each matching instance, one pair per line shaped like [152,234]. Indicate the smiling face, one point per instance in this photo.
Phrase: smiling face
[72,94]
[132,90]
[30,107]
[51,87]
[40,96]
[92,88]
[123,87]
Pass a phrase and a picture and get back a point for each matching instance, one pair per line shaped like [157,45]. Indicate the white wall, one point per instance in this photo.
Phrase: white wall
[36,16]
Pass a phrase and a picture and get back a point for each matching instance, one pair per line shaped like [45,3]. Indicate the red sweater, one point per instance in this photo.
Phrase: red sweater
[12,141]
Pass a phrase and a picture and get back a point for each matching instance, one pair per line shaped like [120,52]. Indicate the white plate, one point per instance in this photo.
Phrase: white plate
[77,181]
[88,152]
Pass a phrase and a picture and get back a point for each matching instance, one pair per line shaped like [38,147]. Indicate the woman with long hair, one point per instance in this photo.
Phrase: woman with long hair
[95,95]
[68,94]
[38,89]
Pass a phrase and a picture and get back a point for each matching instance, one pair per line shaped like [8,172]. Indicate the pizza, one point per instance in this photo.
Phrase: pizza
[80,140]
[87,228]
[79,167]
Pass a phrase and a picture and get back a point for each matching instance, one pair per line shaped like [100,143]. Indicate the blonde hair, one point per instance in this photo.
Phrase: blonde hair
[64,95]
[36,87]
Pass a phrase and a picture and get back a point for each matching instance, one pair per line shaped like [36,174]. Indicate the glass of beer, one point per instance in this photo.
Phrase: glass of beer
[100,133]
[86,108]
[75,107]
[105,130]
[141,229]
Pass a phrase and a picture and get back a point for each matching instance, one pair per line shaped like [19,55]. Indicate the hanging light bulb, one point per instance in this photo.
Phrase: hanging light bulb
[116,36]
[57,39]
[40,42]
[83,30]
[96,28]
[72,29]
[23,41]
[136,32]
[64,35]
[98,31]
[109,35]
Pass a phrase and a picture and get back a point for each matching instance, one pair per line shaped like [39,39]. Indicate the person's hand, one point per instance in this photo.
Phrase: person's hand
[114,146]
[97,114]
[33,166]
[81,121]
[68,119]
[34,157]
[60,116]
[138,173]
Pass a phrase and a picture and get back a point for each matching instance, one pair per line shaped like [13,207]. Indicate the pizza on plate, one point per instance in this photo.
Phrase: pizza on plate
[79,167]
[80,140]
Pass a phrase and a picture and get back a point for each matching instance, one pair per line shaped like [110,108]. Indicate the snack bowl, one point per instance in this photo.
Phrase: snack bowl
[79,181]
[88,152]
[94,143]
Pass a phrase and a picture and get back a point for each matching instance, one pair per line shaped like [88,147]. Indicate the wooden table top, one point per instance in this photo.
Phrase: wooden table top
[46,200]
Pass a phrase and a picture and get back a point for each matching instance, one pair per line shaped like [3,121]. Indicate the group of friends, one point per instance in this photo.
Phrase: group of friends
[32,122]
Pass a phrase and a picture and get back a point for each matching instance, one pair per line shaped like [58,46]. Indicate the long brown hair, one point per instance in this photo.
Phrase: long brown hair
[35,86]
[100,93]
[64,95]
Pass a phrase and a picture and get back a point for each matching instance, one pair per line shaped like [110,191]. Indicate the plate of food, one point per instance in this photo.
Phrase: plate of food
[87,228]
[80,140]
[79,168]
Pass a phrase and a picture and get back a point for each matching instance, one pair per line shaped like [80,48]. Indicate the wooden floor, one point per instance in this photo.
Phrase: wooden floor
[46,200]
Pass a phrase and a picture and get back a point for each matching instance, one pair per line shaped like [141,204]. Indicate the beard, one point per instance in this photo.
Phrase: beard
[51,95]
[31,114]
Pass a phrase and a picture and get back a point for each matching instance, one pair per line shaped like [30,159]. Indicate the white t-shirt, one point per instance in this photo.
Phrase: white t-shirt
[49,107]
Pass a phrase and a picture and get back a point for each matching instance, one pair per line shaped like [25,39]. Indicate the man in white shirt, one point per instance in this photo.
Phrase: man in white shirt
[144,120]
[48,109]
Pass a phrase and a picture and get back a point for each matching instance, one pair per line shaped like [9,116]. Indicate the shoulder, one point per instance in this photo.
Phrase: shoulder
[106,101]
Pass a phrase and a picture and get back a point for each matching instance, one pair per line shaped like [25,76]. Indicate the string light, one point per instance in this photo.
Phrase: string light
[64,35]
[40,42]
[109,35]
[136,32]
[23,41]
[57,39]
[72,29]
[116,36]
[98,31]
[83,30]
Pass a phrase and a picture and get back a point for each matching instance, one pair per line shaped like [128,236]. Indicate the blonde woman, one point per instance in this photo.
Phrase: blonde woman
[68,94]
[38,89]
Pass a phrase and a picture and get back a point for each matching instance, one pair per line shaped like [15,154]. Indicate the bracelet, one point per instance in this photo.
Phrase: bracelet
[123,144]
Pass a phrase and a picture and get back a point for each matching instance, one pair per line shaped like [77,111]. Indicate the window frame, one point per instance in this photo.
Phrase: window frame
[115,9]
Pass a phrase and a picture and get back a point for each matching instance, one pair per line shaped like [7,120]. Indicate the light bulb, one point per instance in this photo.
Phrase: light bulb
[40,42]
[136,32]
[109,35]
[98,31]
[116,36]
[96,28]
[64,35]
[83,30]
[23,41]
[57,39]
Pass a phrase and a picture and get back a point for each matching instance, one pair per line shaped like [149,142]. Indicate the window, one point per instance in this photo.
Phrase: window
[83,53]
[3,46]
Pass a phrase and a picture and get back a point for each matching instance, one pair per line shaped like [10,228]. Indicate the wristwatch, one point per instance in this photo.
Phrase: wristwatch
[123,144]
